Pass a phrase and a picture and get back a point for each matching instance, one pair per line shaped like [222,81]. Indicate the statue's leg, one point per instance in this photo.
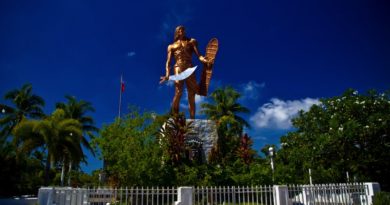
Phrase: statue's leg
[192,84]
[192,88]
[176,98]
[191,102]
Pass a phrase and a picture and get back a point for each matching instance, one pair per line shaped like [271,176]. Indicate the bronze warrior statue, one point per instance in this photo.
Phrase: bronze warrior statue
[182,49]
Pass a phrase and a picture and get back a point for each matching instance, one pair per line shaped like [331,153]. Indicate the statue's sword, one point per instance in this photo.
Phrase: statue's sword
[183,75]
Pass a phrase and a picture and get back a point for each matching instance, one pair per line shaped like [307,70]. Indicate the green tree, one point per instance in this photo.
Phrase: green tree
[25,105]
[131,151]
[19,172]
[136,154]
[258,173]
[19,176]
[245,151]
[347,133]
[78,110]
[58,135]
[224,110]
[381,198]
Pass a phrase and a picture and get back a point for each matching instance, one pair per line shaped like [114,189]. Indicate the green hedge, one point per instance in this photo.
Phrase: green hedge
[382,198]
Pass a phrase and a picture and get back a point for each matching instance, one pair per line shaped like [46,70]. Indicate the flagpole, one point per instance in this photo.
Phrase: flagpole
[120,98]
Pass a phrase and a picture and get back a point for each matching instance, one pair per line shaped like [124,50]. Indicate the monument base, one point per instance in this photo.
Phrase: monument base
[204,131]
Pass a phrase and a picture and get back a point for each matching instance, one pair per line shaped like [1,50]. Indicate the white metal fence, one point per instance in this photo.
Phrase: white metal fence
[102,196]
[325,194]
[321,194]
[254,195]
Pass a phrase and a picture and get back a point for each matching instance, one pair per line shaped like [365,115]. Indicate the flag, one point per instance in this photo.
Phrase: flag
[122,85]
[122,89]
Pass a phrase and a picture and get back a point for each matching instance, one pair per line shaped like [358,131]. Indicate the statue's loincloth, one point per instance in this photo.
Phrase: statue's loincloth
[191,82]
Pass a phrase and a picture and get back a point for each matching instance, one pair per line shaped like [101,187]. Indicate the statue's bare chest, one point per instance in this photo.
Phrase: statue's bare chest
[182,48]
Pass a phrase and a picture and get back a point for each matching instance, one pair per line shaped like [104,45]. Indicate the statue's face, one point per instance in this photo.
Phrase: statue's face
[181,32]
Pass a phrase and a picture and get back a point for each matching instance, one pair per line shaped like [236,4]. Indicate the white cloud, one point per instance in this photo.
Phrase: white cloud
[277,114]
[184,106]
[251,90]
[259,138]
[131,54]
[170,83]
[198,101]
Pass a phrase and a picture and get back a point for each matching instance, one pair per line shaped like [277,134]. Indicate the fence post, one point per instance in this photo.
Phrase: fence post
[281,195]
[372,189]
[184,196]
[45,195]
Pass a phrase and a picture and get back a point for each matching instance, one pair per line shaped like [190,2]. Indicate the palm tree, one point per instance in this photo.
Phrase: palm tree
[26,105]
[77,110]
[224,110]
[59,135]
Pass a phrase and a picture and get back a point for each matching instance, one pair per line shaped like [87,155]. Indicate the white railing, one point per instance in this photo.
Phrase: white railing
[320,194]
[102,196]
[254,195]
[329,194]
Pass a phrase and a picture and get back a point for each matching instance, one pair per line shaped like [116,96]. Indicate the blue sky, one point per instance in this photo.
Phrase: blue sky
[281,55]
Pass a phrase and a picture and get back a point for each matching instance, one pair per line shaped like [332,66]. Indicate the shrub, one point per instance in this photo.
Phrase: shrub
[382,198]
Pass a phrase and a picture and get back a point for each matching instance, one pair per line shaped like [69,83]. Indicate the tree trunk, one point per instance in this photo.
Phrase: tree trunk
[47,169]
[63,172]
[69,172]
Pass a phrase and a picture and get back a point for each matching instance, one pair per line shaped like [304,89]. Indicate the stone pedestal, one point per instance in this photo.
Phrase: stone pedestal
[206,132]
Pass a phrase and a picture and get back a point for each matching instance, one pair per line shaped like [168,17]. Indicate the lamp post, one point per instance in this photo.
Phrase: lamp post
[271,154]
